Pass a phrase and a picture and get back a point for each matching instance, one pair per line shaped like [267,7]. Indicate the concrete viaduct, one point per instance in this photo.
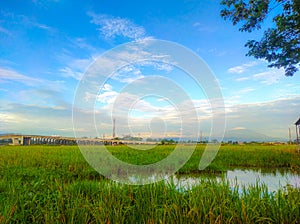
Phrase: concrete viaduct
[59,140]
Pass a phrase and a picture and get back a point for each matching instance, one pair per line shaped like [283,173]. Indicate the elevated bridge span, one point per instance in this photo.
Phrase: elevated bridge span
[59,140]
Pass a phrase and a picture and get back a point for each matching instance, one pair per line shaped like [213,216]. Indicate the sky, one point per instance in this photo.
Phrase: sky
[48,46]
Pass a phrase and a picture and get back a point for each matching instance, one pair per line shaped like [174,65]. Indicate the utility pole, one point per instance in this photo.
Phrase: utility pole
[290,136]
[200,137]
[297,124]
[297,138]
[114,128]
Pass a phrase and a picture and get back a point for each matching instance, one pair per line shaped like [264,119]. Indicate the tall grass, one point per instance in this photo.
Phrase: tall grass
[85,201]
[260,156]
[51,157]
[54,184]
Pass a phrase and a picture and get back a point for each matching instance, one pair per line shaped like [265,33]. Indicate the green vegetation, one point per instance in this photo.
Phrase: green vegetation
[260,156]
[54,184]
[228,157]
[279,44]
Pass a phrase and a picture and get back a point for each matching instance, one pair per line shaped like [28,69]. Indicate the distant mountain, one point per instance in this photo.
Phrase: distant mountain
[247,135]
[239,135]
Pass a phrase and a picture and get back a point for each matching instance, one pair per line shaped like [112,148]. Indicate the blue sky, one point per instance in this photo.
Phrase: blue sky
[46,47]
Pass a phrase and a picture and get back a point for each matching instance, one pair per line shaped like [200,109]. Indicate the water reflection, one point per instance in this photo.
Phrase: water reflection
[273,179]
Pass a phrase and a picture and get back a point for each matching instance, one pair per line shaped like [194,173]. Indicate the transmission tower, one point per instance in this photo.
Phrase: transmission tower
[114,128]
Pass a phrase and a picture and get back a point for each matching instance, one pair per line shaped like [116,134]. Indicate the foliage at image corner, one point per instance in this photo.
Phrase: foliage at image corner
[280,44]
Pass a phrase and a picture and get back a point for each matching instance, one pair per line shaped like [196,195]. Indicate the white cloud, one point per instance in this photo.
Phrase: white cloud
[271,76]
[40,96]
[128,74]
[242,79]
[13,76]
[76,68]
[41,26]
[107,97]
[68,72]
[7,118]
[33,23]
[111,27]
[267,76]
[241,68]
[25,21]
[125,65]
[271,118]
[238,128]
[32,119]
[203,108]
[82,44]
[107,87]
[236,97]
[163,65]
[138,110]
[244,91]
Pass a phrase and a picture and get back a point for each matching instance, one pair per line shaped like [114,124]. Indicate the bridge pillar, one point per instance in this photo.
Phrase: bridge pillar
[26,140]
[16,141]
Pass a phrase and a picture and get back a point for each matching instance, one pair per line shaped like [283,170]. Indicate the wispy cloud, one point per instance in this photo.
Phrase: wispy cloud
[76,68]
[22,21]
[126,65]
[41,26]
[241,68]
[81,43]
[41,2]
[269,77]
[107,95]
[242,79]
[131,73]
[42,97]
[203,27]
[245,90]
[272,117]
[128,74]
[217,52]
[5,31]
[238,128]
[111,27]
[12,76]
[33,119]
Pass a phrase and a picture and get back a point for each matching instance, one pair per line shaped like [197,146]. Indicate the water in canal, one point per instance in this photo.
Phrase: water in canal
[273,179]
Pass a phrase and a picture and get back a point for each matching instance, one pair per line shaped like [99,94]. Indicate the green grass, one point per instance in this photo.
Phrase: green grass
[54,184]
[256,156]
[52,157]
[229,156]
[85,201]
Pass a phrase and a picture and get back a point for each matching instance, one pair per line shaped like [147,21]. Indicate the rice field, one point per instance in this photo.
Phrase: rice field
[54,184]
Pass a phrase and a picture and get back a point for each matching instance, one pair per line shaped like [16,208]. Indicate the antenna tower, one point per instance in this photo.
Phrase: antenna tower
[114,128]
